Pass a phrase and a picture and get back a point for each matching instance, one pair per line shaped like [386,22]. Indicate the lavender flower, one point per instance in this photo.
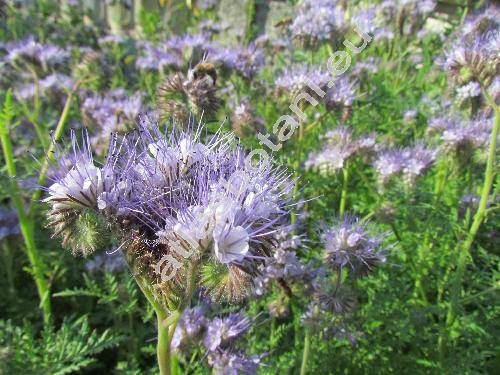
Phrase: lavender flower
[9,225]
[318,20]
[340,145]
[30,51]
[234,363]
[156,58]
[222,331]
[190,329]
[411,162]
[171,197]
[296,79]
[349,243]
[113,112]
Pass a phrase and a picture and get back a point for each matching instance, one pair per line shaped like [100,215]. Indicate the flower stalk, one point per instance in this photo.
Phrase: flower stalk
[305,353]
[465,246]
[25,221]
[345,189]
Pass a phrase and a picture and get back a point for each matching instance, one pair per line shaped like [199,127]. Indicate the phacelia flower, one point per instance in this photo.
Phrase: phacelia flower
[222,331]
[228,362]
[244,121]
[9,224]
[31,52]
[244,60]
[157,58]
[318,20]
[470,90]
[299,78]
[349,243]
[190,329]
[179,96]
[115,111]
[342,95]
[411,162]
[73,196]
[340,145]
[187,213]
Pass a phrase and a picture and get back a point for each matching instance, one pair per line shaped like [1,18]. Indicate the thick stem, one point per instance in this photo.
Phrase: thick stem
[305,353]
[166,329]
[464,248]
[163,346]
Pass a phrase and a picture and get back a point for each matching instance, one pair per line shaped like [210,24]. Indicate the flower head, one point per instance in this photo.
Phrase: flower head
[318,20]
[340,145]
[180,96]
[189,213]
[222,331]
[233,363]
[349,243]
[190,329]
[9,225]
[298,78]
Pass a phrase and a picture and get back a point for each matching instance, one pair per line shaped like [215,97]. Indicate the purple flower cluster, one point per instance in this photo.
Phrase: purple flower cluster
[460,136]
[52,86]
[405,16]
[349,243]
[410,162]
[9,225]
[169,196]
[30,51]
[342,95]
[244,60]
[340,145]
[218,336]
[298,77]
[318,20]
[113,112]
[156,58]
[473,54]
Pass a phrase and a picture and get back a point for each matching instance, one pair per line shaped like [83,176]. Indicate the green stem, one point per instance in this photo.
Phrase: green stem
[464,248]
[166,329]
[56,136]
[300,137]
[25,221]
[345,189]
[305,353]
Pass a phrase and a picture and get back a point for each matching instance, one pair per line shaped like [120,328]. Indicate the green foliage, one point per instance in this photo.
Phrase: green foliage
[69,349]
